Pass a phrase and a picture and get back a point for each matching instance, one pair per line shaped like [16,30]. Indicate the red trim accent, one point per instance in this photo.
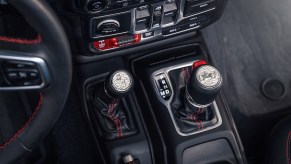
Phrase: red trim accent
[287,148]
[115,119]
[199,63]
[37,40]
[10,140]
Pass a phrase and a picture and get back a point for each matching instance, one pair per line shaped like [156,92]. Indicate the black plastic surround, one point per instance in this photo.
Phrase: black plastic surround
[156,140]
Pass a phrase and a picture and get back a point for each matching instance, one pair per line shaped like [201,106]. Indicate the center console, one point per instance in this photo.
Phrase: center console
[112,24]
[150,92]
[168,110]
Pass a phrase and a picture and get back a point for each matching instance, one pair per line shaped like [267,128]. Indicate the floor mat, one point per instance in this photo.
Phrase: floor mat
[250,43]
[74,143]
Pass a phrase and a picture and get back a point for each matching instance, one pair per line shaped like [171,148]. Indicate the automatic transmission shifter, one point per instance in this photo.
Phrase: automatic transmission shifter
[203,86]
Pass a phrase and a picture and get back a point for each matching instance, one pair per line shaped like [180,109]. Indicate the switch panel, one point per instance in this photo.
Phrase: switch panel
[151,19]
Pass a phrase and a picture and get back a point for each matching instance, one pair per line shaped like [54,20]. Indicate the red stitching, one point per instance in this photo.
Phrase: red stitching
[194,118]
[119,124]
[10,140]
[37,40]
[287,148]
[116,120]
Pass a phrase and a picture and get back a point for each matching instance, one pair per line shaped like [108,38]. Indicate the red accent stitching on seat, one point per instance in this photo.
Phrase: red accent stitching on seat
[10,140]
[37,40]
[287,148]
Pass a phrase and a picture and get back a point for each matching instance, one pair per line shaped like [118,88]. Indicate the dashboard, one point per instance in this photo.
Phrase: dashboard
[112,24]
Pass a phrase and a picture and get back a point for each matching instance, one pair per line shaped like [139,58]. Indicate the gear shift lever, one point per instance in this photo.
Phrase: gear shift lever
[109,99]
[118,84]
[203,86]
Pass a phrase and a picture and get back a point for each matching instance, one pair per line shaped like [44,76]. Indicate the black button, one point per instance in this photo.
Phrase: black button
[96,5]
[196,24]
[170,1]
[148,34]
[16,64]
[141,1]
[142,8]
[144,13]
[12,75]
[157,16]
[23,75]
[171,30]
[142,24]
[33,75]
[193,9]
[123,4]
[196,18]
[169,17]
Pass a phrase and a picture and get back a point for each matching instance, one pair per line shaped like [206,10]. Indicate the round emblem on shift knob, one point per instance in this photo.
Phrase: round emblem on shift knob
[119,83]
[208,77]
[203,86]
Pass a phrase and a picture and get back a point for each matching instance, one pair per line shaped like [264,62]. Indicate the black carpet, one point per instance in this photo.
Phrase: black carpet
[250,43]
[72,139]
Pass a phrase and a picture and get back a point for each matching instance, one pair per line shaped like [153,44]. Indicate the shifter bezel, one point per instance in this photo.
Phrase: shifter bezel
[167,103]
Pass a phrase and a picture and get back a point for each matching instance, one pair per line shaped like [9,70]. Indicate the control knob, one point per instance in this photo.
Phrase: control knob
[96,5]
[119,83]
[108,26]
[204,85]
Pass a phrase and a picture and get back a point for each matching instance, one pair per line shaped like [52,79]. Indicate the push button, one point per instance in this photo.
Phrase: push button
[142,18]
[18,65]
[163,86]
[148,34]
[157,16]
[170,12]
[21,74]
[96,5]
[171,30]
[13,75]
[191,8]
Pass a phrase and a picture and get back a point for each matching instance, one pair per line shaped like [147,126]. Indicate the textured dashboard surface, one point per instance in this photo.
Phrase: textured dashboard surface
[252,42]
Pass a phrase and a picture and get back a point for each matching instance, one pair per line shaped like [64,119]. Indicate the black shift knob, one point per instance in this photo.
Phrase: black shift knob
[203,86]
[119,83]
